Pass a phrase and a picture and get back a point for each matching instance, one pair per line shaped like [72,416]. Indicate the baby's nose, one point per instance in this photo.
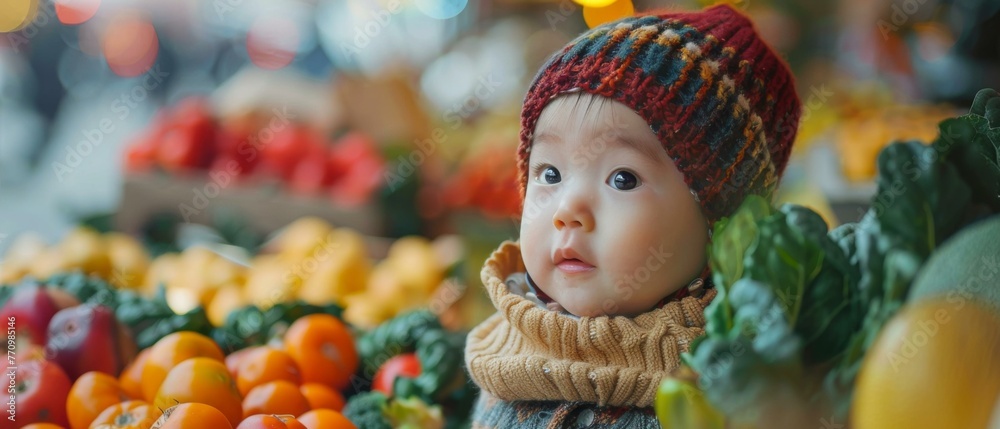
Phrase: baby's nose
[574,212]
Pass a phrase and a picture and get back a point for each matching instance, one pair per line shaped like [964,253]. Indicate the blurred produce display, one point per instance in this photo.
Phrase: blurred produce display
[865,130]
[187,139]
[90,352]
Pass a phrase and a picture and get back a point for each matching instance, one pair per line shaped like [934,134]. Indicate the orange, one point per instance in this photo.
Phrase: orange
[203,380]
[172,350]
[42,426]
[270,421]
[131,377]
[275,397]
[192,416]
[234,359]
[127,415]
[324,349]
[90,395]
[264,365]
[320,396]
[325,419]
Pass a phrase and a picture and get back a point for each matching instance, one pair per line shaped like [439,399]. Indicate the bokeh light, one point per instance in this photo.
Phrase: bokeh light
[15,14]
[595,16]
[130,45]
[72,12]
[594,3]
[934,40]
[441,9]
[272,42]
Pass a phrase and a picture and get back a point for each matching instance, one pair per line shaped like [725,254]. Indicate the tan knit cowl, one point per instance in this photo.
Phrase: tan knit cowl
[524,352]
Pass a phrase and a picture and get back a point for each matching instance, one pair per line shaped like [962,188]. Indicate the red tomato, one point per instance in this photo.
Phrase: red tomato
[282,152]
[183,148]
[405,365]
[311,174]
[40,393]
[357,167]
[359,184]
[357,146]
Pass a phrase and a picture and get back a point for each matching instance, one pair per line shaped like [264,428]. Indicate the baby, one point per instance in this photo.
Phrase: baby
[635,139]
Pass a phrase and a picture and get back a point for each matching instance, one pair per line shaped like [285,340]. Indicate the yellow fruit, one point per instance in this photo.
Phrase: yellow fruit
[299,238]
[222,271]
[338,267]
[680,404]
[226,299]
[129,260]
[163,270]
[365,311]
[270,281]
[181,299]
[194,265]
[49,263]
[415,263]
[17,261]
[84,248]
[936,364]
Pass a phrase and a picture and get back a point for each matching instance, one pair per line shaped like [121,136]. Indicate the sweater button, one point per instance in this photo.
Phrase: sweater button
[585,418]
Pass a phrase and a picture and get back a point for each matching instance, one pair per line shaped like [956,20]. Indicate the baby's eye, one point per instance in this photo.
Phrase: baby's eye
[623,180]
[550,175]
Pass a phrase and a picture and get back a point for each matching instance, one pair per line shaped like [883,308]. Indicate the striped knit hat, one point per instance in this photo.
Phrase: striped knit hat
[721,102]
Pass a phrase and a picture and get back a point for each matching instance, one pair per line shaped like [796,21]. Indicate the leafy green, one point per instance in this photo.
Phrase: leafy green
[442,378]
[367,410]
[760,342]
[832,291]
[397,336]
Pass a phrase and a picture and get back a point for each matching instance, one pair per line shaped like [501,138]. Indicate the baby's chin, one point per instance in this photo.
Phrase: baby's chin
[581,306]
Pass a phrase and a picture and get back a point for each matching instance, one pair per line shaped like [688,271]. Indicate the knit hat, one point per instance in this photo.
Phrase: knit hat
[721,102]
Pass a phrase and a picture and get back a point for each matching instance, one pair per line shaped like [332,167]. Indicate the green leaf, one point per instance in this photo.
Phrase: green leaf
[759,352]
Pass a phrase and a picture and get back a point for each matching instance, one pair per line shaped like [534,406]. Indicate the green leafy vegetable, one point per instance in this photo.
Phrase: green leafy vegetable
[367,410]
[827,294]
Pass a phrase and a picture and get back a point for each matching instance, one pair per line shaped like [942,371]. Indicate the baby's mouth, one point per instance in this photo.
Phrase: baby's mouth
[572,266]
[570,262]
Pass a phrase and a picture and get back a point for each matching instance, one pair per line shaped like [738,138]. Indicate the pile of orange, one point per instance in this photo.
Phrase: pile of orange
[295,384]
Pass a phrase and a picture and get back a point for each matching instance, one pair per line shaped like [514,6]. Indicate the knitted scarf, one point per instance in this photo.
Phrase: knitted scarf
[525,353]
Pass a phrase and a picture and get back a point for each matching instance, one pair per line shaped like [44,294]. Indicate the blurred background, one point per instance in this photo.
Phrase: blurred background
[134,131]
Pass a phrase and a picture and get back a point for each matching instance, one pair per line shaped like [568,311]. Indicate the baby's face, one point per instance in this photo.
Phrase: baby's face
[609,227]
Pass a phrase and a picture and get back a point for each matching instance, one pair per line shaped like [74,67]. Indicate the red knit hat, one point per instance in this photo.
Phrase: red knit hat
[721,102]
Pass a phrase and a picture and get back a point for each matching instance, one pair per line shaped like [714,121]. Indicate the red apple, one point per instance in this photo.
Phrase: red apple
[89,338]
[32,307]
[40,392]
